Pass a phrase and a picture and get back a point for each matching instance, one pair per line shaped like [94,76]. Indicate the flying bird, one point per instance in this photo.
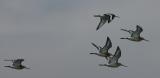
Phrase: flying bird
[17,64]
[113,61]
[108,17]
[135,35]
[103,51]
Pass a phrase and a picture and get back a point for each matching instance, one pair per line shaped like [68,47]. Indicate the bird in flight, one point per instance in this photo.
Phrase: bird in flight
[103,51]
[108,17]
[135,35]
[17,64]
[113,61]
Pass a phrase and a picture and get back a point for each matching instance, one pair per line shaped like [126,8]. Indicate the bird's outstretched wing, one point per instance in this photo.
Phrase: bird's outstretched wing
[101,23]
[139,29]
[137,32]
[108,44]
[117,53]
[115,57]
[17,62]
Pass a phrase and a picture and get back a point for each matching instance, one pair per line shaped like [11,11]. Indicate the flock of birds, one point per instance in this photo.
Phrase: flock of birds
[103,51]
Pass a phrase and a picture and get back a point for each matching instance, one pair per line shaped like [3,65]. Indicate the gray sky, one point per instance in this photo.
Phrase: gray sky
[53,36]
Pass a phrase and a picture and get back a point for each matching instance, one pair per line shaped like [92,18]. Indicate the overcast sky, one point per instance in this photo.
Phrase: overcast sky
[54,36]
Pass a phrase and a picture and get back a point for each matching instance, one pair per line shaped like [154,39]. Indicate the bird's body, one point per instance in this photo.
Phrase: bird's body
[134,39]
[116,65]
[105,18]
[17,67]
[135,35]
[113,61]
[103,51]
[17,64]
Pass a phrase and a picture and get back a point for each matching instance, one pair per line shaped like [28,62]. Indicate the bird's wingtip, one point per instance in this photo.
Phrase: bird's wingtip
[107,37]
[118,47]
[97,29]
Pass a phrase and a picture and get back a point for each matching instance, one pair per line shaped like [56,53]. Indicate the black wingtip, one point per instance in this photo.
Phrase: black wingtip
[107,37]
[118,47]
[97,28]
